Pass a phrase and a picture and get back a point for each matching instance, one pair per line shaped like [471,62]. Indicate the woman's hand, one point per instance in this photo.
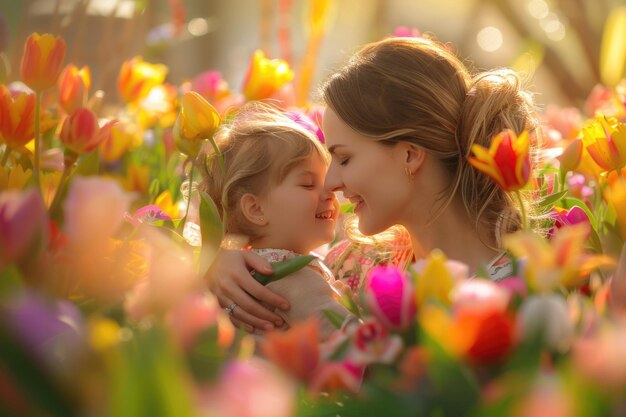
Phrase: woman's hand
[230,280]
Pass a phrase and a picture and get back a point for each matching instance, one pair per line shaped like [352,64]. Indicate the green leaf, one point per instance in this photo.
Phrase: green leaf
[613,48]
[10,281]
[548,201]
[346,208]
[335,318]
[284,268]
[212,230]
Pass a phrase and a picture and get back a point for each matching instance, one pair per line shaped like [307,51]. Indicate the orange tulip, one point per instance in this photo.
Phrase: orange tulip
[42,60]
[138,77]
[605,140]
[79,131]
[74,86]
[17,118]
[296,351]
[265,77]
[506,161]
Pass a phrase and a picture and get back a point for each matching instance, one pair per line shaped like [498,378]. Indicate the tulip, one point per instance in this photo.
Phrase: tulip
[488,335]
[296,350]
[42,60]
[506,162]
[548,315]
[605,140]
[94,209]
[372,343]
[23,226]
[389,296]
[138,77]
[436,276]
[575,215]
[211,86]
[265,77]
[79,131]
[560,261]
[14,178]
[17,118]
[571,156]
[197,121]
[73,87]
[250,388]
[116,141]
[479,295]
[333,377]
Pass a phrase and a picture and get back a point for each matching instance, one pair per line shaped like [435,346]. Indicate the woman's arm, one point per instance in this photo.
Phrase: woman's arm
[230,280]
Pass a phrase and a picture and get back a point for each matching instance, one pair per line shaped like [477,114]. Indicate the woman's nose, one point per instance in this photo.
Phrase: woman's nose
[333,180]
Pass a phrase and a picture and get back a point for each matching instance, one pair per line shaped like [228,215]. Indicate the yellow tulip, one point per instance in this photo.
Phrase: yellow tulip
[605,140]
[138,77]
[265,76]
[197,121]
[167,204]
[42,60]
[14,178]
[434,279]
[559,262]
[17,118]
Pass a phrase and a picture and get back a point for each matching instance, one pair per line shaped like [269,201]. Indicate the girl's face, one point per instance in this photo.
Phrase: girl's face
[369,174]
[300,213]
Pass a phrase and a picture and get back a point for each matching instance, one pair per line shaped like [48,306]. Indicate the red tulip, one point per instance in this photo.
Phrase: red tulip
[79,131]
[506,161]
[42,60]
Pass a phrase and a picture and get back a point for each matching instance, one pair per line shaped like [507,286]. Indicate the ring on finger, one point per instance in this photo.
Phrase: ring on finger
[230,309]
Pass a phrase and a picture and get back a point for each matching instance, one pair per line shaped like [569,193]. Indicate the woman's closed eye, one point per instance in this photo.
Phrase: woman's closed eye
[344,161]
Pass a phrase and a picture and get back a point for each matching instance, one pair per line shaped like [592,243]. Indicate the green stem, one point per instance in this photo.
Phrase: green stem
[66,173]
[37,139]
[220,157]
[5,156]
[522,209]
[188,194]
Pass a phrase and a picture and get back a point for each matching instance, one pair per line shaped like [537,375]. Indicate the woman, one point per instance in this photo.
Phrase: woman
[401,118]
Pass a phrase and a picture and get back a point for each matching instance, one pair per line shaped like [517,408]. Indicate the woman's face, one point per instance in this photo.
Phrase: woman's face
[369,174]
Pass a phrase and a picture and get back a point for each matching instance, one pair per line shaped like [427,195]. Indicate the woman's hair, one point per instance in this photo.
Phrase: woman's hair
[259,146]
[416,90]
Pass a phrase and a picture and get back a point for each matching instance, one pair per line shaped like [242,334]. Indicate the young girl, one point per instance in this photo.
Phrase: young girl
[271,193]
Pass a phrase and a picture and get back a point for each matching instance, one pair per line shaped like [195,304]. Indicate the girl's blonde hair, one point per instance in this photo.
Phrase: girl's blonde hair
[416,90]
[259,146]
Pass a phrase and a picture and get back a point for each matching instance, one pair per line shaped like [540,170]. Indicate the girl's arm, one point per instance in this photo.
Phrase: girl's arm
[230,280]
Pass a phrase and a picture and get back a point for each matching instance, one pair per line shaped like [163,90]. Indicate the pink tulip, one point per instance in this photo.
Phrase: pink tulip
[479,295]
[306,122]
[250,388]
[94,209]
[23,226]
[389,296]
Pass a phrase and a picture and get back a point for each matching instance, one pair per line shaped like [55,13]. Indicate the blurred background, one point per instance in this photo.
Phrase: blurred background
[556,44]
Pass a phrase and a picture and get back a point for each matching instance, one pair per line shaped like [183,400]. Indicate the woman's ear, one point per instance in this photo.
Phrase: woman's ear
[252,209]
[413,157]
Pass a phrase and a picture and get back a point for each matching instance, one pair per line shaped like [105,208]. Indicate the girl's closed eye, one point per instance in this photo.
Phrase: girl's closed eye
[344,161]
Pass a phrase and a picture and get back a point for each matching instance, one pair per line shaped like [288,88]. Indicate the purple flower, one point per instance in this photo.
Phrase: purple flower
[307,123]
